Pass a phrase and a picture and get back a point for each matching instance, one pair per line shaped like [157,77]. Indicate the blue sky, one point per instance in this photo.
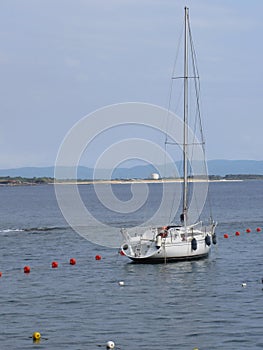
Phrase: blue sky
[62,59]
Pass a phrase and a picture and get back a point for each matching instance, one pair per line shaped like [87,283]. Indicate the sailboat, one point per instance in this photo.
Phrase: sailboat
[173,242]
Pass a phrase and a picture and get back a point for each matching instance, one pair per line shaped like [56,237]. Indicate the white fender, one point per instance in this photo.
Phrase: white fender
[158,241]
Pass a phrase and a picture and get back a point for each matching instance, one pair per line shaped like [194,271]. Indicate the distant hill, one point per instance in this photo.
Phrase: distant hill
[224,167]
[141,172]
[215,167]
[28,172]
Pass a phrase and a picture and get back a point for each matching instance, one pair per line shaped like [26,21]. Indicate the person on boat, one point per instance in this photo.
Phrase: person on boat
[164,232]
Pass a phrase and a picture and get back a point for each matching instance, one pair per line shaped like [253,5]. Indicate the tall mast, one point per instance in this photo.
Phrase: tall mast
[185,136]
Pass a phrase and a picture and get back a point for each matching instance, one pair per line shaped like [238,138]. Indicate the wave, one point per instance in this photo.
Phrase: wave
[11,230]
[41,229]
[34,229]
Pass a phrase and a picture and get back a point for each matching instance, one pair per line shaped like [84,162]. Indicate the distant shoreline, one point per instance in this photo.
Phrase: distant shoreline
[137,181]
[21,181]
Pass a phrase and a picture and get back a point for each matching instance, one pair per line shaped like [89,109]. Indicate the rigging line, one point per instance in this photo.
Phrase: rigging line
[198,89]
[169,108]
[193,77]
[181,144]
[172,219]
[197,81]
[196,85]
[173,72]
[197,113]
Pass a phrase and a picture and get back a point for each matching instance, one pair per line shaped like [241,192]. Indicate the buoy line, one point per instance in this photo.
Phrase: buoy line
[238,233]
[54,265]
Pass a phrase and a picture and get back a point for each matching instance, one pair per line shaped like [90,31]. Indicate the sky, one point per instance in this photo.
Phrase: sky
[61,60]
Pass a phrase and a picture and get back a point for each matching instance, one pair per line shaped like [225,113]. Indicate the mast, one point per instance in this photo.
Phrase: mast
[185,136]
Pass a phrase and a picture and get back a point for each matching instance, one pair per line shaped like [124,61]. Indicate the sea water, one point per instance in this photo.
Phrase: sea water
[209,304]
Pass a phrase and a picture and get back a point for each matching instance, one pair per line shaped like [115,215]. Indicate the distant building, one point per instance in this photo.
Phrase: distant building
[155,176]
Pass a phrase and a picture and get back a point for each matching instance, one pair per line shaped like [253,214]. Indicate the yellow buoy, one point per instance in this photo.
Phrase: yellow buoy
[36,336]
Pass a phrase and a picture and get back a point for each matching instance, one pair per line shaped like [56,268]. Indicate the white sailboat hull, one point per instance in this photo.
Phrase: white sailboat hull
[173,243]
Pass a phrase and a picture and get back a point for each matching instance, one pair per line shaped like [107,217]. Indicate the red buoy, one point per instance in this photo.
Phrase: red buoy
[72,261]
[258,229]
[0,274]
[98,257]
[225,235]
[237,233]
[27,269]
[54,264]
[248,230]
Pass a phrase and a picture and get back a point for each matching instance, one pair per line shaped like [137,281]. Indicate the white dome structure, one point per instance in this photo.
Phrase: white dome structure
[155,176]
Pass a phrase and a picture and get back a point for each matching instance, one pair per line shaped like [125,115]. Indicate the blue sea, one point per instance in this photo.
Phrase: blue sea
[210,304]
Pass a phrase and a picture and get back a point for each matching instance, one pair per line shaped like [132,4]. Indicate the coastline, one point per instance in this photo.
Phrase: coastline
[137,181]
[20,181]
